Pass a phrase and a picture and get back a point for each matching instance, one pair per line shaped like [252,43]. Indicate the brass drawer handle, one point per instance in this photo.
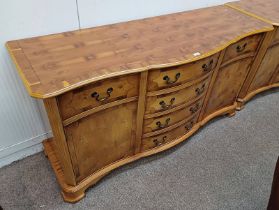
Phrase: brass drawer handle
[200,90]
[208,67]
[102,99]
[169,81]
[189,126]
[160,142]
[165,106]
[195,108]
[160,125]
[241,48]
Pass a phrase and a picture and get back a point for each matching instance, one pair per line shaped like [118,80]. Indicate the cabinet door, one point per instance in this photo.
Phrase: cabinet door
[266,70]
[101,138]
[227,85]
[276,79]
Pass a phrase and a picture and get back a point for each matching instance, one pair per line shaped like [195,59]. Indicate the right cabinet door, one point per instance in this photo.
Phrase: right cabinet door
[266,70]
[227,85]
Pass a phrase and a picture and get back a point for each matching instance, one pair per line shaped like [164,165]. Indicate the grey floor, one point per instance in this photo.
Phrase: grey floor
[228,164]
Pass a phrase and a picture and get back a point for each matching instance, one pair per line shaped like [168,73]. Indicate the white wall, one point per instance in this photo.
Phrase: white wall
[23,121]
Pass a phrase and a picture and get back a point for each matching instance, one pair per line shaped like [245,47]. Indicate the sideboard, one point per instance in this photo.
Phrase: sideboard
[265,75]
[120,92]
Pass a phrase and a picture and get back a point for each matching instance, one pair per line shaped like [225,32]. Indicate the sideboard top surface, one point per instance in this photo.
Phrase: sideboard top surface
[53,64]
[267,10]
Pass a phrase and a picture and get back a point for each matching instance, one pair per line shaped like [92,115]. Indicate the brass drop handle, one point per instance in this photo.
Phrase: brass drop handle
[241,48]
[200,90]
[169,81]
[102,99]
[160,125]
[160,142]
[208,67]
[165,106]
[195,108]
[189,126]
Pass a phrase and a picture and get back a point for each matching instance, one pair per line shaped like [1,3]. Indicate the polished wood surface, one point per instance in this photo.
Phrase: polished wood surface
[173,76]
[53,64]
[264,70]
[276,37]
[95,142]
[267,10]
[232,73]
[159,140]
[161,122]
[170,100]
[61,147]
[121,92]
[246,46]
[97,94]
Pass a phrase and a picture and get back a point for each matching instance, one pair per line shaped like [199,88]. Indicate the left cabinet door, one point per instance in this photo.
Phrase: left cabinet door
[101,138]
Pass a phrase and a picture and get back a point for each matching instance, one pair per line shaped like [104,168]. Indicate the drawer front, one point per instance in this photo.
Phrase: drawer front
[167,101]
[159,140]
[246,45]
[169,77]
[158,123]
[90,96]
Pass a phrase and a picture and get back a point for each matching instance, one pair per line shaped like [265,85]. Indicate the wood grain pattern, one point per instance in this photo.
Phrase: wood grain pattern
[168,77]
[102,138]
[168,101]
[276,76]
[276,37]
[255,66]
[158,123]
[141,110]
[60,144]
[159,140]
[266,70]
[117,94]
[48,64]
[247,45]
[83,99]
[267,10]
[227,85]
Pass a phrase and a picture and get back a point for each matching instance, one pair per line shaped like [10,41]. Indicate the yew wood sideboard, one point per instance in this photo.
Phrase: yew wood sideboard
[265,75]
[121,92]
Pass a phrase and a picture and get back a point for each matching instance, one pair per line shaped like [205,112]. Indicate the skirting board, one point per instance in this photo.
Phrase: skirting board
[23,149]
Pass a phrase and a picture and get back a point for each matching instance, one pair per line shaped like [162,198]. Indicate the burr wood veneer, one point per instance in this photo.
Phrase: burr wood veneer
[121,92]
[265,75]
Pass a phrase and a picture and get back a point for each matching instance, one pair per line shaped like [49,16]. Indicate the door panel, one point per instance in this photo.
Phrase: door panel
[102,138]
[266,70]
[227,85]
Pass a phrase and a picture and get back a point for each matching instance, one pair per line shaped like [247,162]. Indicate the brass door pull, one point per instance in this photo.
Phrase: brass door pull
[189,126]
[102,99]
[208,67]
[169,81]
[160,142]
[165,106]
[160,125]
[200,90]
[195,108]
[241,48]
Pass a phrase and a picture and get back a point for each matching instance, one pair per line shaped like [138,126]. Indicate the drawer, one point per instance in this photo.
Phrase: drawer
[169,77]
[167,101]
[246,45]
[99,93]
[159,140]
[159,123]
